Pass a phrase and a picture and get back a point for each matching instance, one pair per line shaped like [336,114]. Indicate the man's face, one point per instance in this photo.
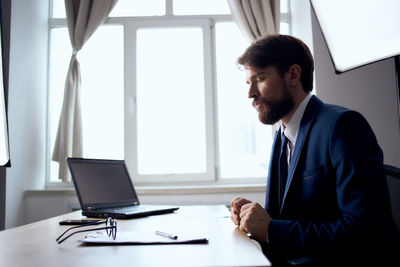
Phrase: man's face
[270,93]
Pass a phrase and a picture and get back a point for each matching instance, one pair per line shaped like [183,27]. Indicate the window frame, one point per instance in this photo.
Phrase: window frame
[131,25]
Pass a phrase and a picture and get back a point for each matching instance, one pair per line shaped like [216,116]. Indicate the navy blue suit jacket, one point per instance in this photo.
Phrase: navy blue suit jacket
[336,194]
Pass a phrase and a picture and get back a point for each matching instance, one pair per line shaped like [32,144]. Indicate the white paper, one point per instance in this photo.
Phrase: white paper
[142,237]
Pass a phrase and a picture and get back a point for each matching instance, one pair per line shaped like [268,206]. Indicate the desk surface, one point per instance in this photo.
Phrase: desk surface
[34,244]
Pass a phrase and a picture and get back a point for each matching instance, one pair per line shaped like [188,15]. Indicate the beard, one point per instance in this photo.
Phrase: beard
[271,111]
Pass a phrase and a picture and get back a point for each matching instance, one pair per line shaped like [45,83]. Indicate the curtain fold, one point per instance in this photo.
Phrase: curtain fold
[256,18]
[83,18]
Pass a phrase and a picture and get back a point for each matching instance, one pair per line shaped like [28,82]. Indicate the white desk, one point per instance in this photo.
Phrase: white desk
[34,244]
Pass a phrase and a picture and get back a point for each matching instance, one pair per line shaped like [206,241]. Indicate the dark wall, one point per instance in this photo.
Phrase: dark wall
[5,13]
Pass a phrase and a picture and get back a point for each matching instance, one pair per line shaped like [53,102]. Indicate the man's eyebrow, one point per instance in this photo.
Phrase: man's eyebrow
[257,74]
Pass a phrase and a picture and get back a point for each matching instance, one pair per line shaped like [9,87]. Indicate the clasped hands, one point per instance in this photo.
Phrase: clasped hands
[250,217]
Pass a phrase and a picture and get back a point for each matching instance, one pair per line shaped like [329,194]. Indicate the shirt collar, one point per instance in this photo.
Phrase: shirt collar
[293,126]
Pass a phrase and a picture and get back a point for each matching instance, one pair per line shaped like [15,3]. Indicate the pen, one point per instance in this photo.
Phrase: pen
[170,236]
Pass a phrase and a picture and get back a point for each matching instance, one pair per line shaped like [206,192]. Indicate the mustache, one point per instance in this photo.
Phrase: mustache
[254,103]
[257,101]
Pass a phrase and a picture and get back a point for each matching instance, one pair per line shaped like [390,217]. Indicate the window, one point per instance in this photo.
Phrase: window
[165,94]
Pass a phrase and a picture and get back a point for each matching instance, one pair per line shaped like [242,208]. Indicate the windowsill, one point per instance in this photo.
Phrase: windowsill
[166,190]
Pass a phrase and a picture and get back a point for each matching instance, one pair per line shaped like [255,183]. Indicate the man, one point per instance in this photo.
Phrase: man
[327,195]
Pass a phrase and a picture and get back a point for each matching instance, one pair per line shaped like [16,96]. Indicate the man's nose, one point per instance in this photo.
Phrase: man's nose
[253,91]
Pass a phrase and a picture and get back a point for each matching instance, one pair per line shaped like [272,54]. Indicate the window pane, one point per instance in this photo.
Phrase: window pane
[170,101]
[244,142]
[102,91]
[203,7]
[284,28]
[284,6]
[126,8]
[58,9]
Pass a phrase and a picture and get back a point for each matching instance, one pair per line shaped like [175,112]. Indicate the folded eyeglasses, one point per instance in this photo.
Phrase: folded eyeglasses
[111,229]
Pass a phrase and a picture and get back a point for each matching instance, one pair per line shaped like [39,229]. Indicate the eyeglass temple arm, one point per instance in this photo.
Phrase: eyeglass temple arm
[74,227]
[86,230]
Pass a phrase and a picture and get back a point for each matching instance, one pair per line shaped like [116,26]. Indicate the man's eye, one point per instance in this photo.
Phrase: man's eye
[260,79]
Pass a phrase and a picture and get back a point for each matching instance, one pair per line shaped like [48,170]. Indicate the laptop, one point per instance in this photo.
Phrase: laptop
[105,189]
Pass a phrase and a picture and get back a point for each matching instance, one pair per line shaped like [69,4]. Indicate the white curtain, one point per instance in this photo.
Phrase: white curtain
[256,18]
[83,17]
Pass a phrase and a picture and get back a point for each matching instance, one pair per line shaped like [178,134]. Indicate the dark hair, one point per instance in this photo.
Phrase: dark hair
[281,51]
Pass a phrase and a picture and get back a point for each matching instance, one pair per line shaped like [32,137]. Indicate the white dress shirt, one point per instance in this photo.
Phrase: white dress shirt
[292,128]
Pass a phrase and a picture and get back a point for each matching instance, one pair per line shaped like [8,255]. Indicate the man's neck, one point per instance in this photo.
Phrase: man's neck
[297,99]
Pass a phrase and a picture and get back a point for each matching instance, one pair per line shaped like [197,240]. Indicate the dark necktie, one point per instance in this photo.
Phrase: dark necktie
[283,168]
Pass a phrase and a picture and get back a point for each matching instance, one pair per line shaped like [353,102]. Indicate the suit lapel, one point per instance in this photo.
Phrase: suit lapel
[312,109]
[271,197]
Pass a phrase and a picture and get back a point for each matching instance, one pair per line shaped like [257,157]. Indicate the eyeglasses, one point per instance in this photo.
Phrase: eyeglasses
[111,229]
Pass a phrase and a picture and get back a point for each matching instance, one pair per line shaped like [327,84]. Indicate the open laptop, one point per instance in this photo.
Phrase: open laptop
[105,189]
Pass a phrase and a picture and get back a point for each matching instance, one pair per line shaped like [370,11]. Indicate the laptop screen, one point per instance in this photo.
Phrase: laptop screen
[102,183]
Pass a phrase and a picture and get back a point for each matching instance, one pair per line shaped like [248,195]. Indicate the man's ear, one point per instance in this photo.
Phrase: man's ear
[294,75]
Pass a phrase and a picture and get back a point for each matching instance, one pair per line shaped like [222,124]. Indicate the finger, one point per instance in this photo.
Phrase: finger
[235,219]
[246,206]
[251,206]
[242,227]
[235,203]
[238,203]
[247,209]
[235,216]
[234,200]
[235,208]
[243,224]
[244,213]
